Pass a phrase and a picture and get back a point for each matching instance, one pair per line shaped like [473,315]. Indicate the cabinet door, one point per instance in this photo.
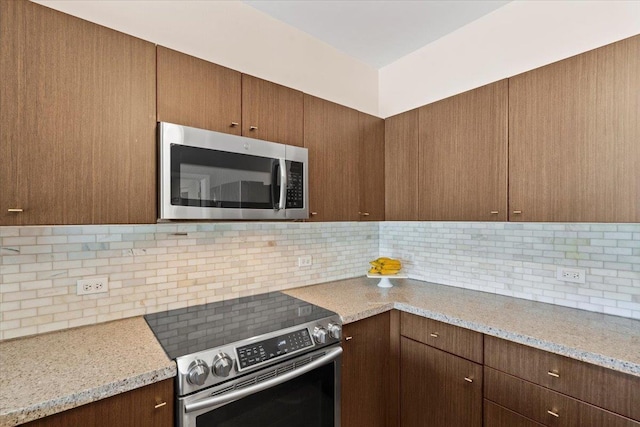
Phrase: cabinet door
[401,167]
[574,128]
[463,156]
[197,93]
[438,389]
[497,416]
[78,120]
[331,133]
[364,367]
[272,112]
[149,406]
[371,164]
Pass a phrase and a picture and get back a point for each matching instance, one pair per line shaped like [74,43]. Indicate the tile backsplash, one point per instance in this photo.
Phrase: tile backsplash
[158,267]
[521,259]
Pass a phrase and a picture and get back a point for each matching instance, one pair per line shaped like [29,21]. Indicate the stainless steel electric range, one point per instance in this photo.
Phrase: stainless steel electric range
[262,360]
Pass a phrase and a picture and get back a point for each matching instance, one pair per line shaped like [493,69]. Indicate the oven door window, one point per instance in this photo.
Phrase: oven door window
[211,178]
[305,401]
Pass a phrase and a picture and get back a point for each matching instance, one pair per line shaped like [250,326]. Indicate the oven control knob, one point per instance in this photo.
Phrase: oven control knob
[222,365]
[320,335]
[335,331]
[198,372]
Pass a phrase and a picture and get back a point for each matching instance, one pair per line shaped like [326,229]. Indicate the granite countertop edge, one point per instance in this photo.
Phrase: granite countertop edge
[18,416]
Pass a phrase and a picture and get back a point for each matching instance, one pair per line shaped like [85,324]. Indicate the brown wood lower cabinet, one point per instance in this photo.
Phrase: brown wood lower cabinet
[546,406]
[150,406]
[438,389]
[498,416]
[365,379]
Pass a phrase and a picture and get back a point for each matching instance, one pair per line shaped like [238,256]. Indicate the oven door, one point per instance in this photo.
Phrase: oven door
[300,392]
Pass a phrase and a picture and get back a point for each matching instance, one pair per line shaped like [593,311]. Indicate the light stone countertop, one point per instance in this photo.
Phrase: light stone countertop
[50,373]
[604,340]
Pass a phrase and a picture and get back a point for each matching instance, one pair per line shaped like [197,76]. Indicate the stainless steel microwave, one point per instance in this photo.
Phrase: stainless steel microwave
[213,175]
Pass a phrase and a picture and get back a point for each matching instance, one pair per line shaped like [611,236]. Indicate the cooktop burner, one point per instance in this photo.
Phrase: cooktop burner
[189,330]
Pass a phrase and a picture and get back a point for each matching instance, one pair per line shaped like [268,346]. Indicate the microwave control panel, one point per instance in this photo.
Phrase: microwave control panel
[295,187]
[263,351]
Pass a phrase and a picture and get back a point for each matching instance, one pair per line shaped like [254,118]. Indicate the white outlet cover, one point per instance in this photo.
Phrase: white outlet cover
[96,285]
[573,275]
[305,261]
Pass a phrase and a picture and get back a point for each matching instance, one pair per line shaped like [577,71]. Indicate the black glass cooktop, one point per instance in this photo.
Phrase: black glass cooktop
[192,329]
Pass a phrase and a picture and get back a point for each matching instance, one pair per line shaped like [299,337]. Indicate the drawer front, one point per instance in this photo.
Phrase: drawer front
[547,406]
[499,416]
[452,339]
[615,391]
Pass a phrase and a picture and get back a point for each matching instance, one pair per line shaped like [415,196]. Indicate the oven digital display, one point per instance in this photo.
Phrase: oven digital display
[253,354]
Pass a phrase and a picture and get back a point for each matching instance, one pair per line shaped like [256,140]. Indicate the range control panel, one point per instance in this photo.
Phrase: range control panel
[253,354]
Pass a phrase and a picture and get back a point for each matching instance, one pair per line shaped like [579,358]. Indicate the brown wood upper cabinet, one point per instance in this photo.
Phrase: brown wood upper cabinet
[371,166]
[401,166]
[77,121]
[574,132]
[332,136]
[272,112]
[197,93]
[463,156]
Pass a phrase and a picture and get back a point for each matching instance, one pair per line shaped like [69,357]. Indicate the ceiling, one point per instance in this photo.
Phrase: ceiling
[376,32]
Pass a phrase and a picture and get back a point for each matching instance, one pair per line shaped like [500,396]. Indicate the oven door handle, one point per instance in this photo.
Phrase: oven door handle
[239,394]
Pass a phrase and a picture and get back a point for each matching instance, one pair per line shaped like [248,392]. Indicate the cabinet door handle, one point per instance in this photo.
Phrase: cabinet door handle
[253,127]
[555,414]
[160,405]
[348,338]
[553,374]
[314,213]
[234,124]
[434,334]
[363,213]
[495,212]
[469,380]
[15,210]
[517,212]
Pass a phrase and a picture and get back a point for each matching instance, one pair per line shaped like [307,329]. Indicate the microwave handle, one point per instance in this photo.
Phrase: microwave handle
[215,401]
[283,184]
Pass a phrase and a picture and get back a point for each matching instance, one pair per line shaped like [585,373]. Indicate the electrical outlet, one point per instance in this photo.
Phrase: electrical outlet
[96,285]
[574,275]
[305,261]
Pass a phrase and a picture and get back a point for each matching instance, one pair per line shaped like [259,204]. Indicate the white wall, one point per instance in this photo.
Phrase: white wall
[238,36]
[518,37]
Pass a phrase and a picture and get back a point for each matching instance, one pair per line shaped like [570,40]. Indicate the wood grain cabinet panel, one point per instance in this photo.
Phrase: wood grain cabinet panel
[438,389]
[365,360]
[332,136]
[608,389]
[463,156]
[78,120]
[272,112]
[149,406]
[371,166]
[498,416]
[453,339]
[193,92]
[574,128]
[401,166]
[546,406]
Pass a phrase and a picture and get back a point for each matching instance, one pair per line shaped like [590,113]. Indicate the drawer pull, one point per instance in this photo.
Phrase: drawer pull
[517,212]
[15,210]
[467,379]
[555,414]
[253,127]
[494,212]
[434,334]
[348,338]
[160,405]
[553,374]
[234,124]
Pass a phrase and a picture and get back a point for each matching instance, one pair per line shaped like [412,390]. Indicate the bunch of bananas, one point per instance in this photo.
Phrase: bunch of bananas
[385,266]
